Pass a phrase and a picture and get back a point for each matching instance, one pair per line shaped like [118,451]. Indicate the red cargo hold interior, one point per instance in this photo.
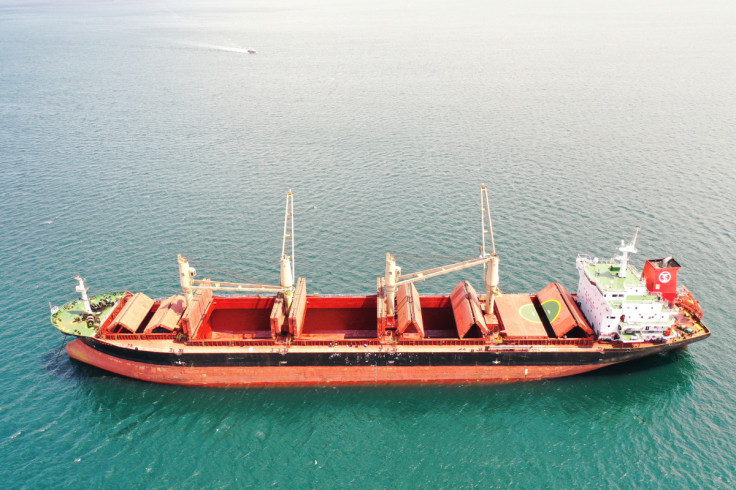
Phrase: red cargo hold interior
[437,317]
[340,317]
[238,318]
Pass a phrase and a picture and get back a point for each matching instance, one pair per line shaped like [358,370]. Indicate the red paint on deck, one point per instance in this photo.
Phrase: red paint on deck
[318,375]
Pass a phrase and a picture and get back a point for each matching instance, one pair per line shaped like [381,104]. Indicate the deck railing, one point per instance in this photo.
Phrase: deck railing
[375,342]
[139,336]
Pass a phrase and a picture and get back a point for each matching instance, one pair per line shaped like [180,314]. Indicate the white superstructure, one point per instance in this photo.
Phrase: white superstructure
[616,302]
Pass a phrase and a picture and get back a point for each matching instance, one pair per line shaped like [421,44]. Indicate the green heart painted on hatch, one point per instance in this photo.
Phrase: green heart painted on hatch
[552,309]
[529,313]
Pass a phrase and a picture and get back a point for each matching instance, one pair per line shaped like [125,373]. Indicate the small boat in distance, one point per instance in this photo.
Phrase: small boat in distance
[281,335]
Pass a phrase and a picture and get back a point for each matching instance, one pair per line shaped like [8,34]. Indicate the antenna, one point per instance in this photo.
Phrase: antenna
[625,250]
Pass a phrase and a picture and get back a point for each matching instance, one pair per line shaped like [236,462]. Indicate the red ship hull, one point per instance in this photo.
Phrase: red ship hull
[232,376]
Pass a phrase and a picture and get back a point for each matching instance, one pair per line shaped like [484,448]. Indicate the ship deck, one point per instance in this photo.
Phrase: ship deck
[69,318]
[348,323]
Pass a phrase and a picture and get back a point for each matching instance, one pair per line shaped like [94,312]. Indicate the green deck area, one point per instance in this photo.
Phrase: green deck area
[606,275]
[69,318]
[642,297]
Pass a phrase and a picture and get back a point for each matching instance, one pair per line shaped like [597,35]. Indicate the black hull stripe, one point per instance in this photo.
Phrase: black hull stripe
[362,358]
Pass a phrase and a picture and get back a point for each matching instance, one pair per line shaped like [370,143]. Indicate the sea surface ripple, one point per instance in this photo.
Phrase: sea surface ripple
[133,131]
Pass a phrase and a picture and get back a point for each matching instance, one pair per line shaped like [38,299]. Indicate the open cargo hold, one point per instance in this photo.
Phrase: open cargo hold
[339,317]
[437,317]
[238,318]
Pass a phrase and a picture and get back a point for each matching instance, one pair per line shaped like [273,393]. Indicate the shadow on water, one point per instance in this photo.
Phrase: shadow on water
[58,364]
[645,364]
[659,379]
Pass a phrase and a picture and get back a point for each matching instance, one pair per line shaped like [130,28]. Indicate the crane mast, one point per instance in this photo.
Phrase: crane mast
[287,261]
[491,270]
[394,278]
[189,284]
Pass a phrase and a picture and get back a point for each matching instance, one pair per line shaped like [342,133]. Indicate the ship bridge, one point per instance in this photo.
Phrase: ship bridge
[616,301]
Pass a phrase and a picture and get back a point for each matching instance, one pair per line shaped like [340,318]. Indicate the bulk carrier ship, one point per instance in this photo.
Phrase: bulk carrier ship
[281,335]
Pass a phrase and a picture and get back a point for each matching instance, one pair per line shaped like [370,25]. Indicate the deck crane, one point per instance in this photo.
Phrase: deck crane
[394,278]
[189,284]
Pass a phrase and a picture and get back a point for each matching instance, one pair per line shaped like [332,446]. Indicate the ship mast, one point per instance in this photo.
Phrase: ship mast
[82,290]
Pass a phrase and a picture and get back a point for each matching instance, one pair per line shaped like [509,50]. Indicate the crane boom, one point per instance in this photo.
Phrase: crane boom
[490,272]
[486,215]
[234,286]
[289,232]
[394,279]
[287,261]
[438,271]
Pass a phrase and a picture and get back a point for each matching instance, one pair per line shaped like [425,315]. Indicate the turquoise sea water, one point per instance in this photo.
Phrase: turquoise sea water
[133,131]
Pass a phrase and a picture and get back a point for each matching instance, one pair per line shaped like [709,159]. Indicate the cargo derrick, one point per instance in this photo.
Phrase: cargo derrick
[284,291]
[397,315]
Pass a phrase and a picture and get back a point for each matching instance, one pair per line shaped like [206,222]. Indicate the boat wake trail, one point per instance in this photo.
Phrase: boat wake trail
[214,47]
